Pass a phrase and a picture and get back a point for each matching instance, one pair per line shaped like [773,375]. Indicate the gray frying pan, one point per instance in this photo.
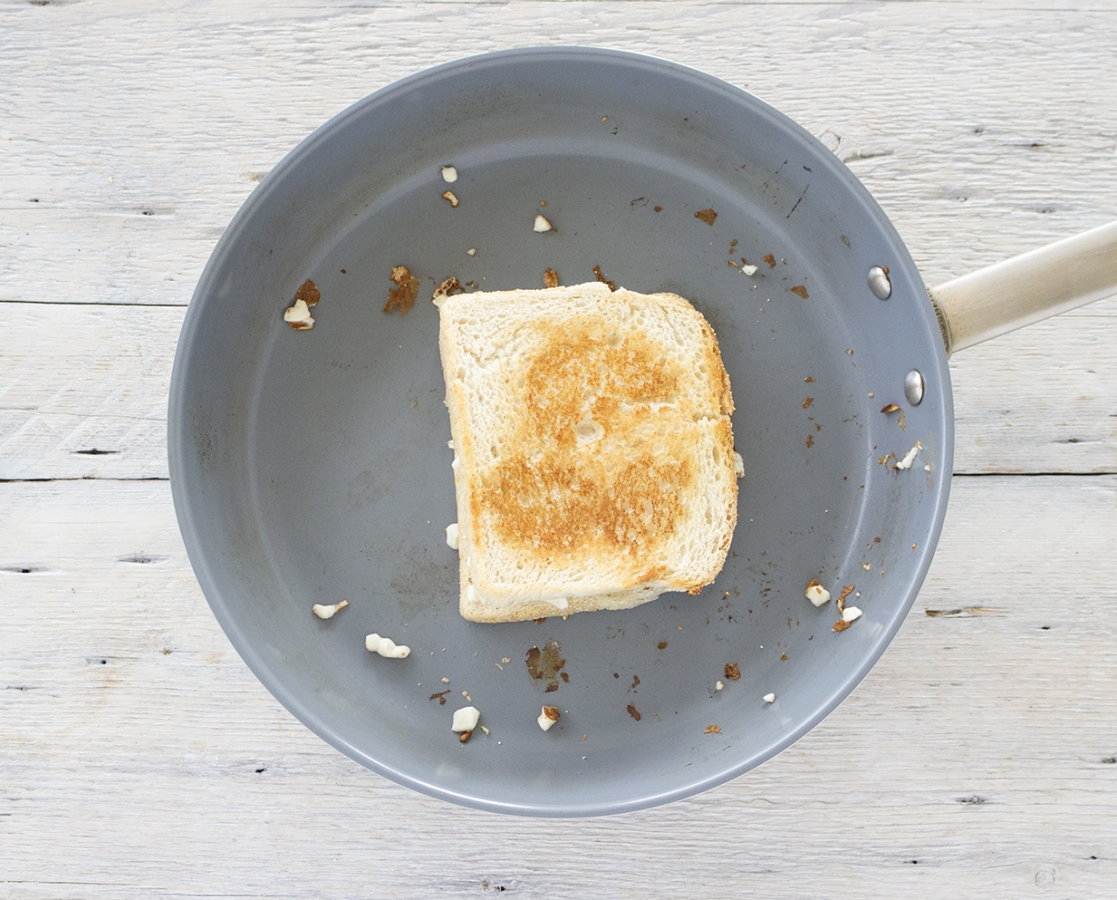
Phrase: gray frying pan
[312,466]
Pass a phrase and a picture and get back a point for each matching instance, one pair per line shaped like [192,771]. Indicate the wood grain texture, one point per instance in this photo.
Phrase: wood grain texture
[85,394]
[130,137]
[138,755]
[972,761]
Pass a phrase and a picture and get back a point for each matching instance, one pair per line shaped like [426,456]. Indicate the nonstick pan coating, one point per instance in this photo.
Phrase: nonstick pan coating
[313,466]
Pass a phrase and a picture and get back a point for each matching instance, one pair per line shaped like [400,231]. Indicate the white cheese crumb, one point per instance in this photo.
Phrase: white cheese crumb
[472,251]
[465,719]
[445,680]
[542,224]
[374,643]
[927,468]
[548,717]
[749,270]
[909,457]
[720,686]
[452,535]
[449,174]
[450,444]
[326,611]
[851,614]
[817,594]
[298,315]
[738,465]
[769,698]
[866,566]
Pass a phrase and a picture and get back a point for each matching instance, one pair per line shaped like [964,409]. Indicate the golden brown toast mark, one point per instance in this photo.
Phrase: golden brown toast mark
[552,508]
[610,368]
[620,495]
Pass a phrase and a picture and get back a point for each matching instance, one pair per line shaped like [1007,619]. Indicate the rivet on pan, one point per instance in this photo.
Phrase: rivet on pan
[879,283]
[913,387]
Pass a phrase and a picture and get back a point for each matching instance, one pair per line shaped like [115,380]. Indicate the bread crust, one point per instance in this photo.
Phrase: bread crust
[594,449]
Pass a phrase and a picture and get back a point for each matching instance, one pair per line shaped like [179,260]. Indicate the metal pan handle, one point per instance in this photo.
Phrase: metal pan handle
[1027,288]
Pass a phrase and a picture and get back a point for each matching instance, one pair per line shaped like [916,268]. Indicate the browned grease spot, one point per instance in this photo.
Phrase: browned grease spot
[901,419]
[732,671]
[662,645]
[801,290]
[600,277]
[841,625]
[550,278]
[550,496]
[771,260]
[402,297]
[810,440]
[657,209]
[713,729]
[545,665]
[808,402]
[706,215]
[632,711]
[783,657]
[447,288]
[308,292]
[440,697]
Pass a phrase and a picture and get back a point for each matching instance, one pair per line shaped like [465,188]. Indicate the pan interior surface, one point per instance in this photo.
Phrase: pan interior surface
[312,466]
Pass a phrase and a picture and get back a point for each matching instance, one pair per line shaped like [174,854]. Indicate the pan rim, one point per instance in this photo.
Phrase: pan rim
[179,448]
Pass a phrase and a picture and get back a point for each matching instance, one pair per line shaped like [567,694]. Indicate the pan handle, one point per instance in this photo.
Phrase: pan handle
[1027,288]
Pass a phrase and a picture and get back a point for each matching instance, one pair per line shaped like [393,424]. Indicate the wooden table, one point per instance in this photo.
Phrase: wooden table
[139,757]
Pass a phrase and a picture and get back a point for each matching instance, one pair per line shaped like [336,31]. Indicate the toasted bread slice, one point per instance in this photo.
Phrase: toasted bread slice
[593,449]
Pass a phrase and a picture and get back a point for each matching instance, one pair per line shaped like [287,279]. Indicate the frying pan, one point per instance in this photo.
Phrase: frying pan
[312,466]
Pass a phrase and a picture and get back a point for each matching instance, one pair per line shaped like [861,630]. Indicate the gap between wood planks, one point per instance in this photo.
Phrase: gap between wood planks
[1101,474]
[81,478]
[93,304]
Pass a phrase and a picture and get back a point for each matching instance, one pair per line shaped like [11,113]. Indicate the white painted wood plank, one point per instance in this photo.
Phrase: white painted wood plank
[130,136]
[84,390]
[84,394]
[167,770]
